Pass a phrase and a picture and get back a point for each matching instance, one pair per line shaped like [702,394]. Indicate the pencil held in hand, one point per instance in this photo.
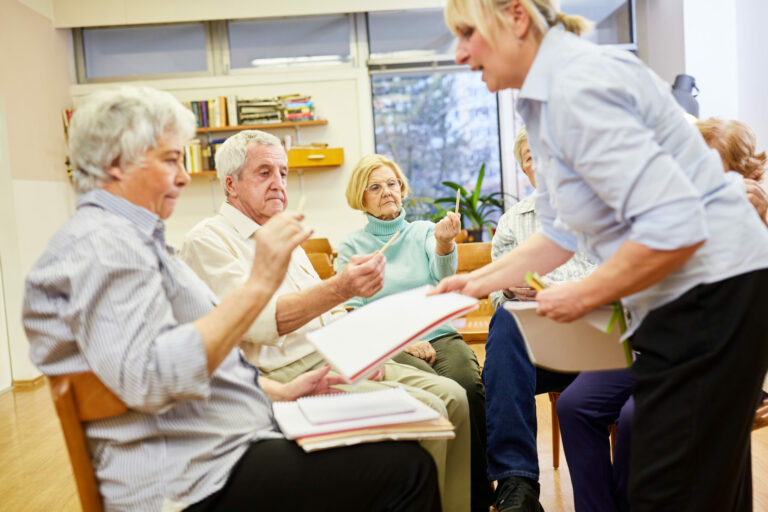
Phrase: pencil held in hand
[386,245]
[458,196]
[534,281]
[302,202]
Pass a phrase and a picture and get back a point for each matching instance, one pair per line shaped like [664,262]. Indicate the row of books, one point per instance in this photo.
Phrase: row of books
[199,155]
[233,111]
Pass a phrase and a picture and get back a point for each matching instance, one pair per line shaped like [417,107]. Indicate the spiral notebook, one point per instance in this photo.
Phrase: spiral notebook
[334,414]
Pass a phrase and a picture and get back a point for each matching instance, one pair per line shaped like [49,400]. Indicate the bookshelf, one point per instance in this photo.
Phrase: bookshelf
[299,159]
[264,126]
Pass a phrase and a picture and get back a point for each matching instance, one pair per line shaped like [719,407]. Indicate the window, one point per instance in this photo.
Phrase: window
[145,50]
[436,120]
[286,41]
[614,20]
[438,126]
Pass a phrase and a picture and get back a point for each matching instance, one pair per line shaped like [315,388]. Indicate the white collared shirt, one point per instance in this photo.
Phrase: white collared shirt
[617,161]
[220,249]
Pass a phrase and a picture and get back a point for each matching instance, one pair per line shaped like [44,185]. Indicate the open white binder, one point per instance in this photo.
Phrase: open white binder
[581,345]
[356,345]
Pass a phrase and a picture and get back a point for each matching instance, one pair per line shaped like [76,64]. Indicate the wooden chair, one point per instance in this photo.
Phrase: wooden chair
[322,264]
[319,245]
[761,416]
[80,397]
[472,256]
[556,432]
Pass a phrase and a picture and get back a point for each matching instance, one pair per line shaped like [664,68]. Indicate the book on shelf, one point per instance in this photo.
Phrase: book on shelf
[354,345]
[581,345]
[193,156]
[209,113]
[344,419]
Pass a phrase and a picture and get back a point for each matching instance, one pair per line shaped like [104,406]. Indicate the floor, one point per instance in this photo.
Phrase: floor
[35,474]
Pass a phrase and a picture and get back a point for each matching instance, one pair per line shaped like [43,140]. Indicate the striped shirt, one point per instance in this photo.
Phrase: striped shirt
[108,295]
[519,223]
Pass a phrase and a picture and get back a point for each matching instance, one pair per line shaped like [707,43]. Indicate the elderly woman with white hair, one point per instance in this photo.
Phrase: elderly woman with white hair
[623,177]
[423,253]
[110,296]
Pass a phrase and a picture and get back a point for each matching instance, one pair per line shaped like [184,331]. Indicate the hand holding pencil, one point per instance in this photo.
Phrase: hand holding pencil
[449,227]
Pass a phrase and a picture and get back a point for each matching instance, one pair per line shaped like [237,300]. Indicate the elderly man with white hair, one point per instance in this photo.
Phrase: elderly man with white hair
[110,296]
[252,167]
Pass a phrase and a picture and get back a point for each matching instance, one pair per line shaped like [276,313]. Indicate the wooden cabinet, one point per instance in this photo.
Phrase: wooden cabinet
[307,158]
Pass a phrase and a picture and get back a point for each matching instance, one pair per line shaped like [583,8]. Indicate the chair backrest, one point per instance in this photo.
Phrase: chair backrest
[472,256]
[761,416]
[318,245]
[80,397]
[322,264]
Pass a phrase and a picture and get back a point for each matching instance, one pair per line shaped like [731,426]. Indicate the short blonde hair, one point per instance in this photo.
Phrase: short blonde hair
[544,15]
[359,179]
[736,143]
[517,149]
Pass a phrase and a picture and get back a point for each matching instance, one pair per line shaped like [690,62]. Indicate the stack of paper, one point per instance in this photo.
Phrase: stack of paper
[581,345]
[359,343]
[329,421]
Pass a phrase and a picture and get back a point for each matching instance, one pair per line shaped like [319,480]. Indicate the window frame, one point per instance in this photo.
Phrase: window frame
[81,71]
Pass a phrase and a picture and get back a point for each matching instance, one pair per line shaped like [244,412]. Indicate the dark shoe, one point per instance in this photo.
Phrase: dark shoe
[518,494]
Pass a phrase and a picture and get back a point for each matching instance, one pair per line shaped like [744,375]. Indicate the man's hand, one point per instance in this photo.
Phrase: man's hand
[423,350]
[562,303]
[275,241]
[524,293]
[758,197]
[315,382]
[363,276]
[378,376]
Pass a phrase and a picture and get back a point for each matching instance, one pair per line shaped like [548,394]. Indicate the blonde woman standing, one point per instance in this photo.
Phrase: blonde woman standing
[623,177]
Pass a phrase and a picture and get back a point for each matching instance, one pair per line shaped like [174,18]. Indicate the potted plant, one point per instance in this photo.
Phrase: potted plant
[478,209]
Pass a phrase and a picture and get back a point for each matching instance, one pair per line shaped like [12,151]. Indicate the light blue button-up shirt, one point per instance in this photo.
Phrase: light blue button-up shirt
[616,160]
[109,296]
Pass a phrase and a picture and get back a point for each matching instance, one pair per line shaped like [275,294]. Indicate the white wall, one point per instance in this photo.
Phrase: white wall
[660,36]
[752,66]
[711,55]
[341,96]
[34,196]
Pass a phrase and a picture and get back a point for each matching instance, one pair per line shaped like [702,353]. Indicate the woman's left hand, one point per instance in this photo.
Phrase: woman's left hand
[448,227]
[563,303]
[315,382]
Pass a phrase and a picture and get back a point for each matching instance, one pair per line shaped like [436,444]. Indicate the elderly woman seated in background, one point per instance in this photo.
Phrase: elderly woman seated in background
[737,145]
[423,254]
[110,296]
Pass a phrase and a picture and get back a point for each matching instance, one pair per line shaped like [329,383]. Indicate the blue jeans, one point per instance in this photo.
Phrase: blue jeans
[511,384]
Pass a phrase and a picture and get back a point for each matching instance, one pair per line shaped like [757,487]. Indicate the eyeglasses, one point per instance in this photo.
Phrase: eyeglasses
[377,188]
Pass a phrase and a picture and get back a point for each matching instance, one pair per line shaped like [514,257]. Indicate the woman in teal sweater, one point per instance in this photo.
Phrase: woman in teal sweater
[423,254]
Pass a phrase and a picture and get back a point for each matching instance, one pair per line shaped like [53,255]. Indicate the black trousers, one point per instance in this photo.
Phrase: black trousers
[697,382]
[277,475]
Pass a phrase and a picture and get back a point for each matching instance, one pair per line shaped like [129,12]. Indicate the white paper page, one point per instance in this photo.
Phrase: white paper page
[351,441]
[373,332]
[352,406]
[294,424]
[569,347]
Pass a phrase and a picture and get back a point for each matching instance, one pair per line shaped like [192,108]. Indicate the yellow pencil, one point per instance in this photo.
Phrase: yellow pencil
[458,195]
[386,245]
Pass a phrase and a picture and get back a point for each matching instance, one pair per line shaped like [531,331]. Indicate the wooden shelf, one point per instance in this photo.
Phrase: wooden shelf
[203,173]
[265,126]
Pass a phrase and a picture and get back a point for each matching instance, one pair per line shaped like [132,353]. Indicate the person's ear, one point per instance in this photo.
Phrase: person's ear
[114,170]
[520,19]
[229,184]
